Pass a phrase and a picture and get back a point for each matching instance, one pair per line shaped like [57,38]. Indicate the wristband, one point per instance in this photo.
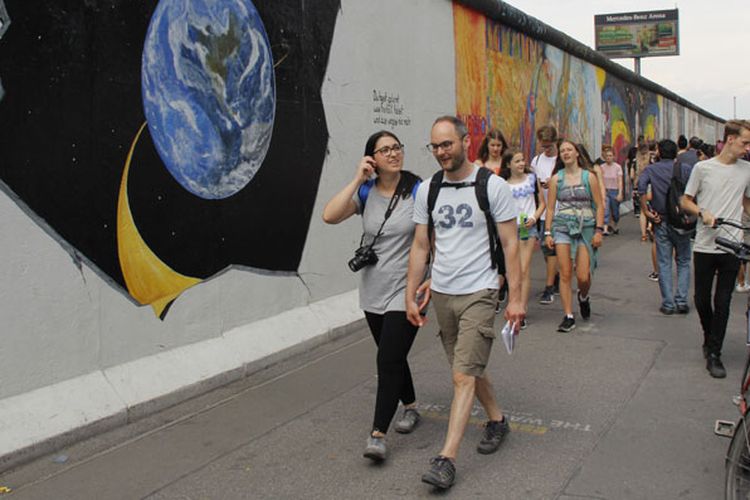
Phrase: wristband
[548,233]
[599,229]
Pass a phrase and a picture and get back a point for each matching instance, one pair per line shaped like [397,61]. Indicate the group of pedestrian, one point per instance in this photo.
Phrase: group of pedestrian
[713,186]
[455,239]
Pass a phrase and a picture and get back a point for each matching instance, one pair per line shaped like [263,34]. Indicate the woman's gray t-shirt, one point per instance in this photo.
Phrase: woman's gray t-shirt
[382,286]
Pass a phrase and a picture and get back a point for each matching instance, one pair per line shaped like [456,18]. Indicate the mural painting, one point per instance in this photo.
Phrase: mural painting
[162,142]
[510,81]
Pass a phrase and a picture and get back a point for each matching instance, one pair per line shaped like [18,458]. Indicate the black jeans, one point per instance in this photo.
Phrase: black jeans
[394,336]
[714,320]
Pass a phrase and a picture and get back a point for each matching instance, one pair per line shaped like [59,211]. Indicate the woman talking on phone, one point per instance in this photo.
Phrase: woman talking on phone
[382,193]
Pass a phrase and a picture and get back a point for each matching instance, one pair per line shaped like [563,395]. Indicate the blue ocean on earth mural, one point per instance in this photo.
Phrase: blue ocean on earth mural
[209,93]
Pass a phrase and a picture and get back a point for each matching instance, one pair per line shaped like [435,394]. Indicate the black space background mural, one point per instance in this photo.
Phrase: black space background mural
[71,70]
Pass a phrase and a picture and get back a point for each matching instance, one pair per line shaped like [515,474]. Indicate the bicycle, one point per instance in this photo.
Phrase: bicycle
[737,464]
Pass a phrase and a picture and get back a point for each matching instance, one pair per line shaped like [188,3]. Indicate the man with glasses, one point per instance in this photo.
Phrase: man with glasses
[465,286]
[543,164]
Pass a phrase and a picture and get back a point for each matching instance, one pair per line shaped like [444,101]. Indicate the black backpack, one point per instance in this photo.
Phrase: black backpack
[676,217]
[480,190]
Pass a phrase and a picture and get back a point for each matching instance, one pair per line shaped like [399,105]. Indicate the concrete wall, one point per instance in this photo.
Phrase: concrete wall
[81,346]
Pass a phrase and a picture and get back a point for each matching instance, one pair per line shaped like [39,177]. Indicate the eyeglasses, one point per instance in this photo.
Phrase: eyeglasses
[445,146]
[386,150]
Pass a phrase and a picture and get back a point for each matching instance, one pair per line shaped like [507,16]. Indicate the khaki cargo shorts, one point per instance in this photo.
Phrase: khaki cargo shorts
[467,328]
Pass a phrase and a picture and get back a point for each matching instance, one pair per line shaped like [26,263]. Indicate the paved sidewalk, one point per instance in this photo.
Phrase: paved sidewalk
[620,408]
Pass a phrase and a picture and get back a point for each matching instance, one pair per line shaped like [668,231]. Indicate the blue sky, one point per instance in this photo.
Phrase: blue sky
[714,61]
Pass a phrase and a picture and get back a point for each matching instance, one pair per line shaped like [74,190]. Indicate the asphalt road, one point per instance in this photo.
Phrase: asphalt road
[620,408]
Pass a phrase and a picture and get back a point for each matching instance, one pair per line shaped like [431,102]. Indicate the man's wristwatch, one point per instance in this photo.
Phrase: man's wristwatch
[548,233]
[599,229]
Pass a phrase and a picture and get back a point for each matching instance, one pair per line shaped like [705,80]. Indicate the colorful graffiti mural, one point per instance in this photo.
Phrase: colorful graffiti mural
[508,80]
[224,88]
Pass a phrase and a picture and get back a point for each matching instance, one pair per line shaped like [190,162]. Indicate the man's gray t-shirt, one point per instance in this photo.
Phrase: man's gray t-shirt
[718,188]
[382,286]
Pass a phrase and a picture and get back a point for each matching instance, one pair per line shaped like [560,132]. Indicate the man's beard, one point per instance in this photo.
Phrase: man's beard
[456,162]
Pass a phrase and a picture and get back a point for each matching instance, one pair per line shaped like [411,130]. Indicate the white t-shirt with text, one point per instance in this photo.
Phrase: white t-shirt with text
[462,262]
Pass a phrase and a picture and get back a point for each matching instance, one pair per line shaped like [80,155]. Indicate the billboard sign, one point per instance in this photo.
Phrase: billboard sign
[637,34]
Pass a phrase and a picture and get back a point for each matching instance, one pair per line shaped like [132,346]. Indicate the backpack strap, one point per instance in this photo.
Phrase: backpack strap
[364,191]
[480,189]
[587,182]
[435,183]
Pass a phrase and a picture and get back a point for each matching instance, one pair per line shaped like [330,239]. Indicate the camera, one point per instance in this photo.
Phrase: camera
[363,256]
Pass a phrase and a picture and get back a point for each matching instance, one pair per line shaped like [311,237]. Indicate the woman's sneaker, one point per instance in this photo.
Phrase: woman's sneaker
[584,306]
[375,449]
[547,296]
[442,473]
[567,325]
[408,421]
[653,276]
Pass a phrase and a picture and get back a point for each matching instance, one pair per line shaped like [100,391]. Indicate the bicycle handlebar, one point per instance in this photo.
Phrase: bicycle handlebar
[741,250]
[725,222]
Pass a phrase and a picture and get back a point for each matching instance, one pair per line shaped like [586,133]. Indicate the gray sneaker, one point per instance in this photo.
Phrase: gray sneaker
[375,449]
[408,421]
[442,473]
[494,433]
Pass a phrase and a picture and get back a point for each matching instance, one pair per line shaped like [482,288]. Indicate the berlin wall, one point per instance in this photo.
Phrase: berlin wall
[165,165]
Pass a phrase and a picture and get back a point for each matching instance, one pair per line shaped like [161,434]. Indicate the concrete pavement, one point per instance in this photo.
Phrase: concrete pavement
[620,408]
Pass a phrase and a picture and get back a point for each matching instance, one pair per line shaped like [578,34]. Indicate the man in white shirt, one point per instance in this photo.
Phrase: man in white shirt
[464,286]
[718,188]
[543,164]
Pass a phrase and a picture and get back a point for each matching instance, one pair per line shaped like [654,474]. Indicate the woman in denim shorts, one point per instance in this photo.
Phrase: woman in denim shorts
[575,231]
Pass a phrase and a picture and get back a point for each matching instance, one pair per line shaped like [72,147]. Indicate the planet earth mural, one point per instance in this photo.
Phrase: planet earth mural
[208,92]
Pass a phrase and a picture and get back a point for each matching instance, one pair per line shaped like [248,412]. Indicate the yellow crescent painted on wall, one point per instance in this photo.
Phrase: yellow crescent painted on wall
[148,279]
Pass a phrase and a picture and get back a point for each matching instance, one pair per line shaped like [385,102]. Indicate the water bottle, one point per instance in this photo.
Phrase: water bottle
[523,231]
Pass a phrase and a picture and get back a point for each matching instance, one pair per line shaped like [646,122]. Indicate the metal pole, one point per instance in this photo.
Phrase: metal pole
[637,127]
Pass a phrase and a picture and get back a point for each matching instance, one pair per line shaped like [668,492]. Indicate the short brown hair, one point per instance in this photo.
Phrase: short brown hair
[607,149]
[734,127]
[459,125]
[547,133]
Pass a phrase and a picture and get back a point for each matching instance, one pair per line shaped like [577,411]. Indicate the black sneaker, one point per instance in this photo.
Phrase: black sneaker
[547,296]
[584,306]
[524,324]
[567,325]
[442,473]
[715,367]
[494,433]
[653,276]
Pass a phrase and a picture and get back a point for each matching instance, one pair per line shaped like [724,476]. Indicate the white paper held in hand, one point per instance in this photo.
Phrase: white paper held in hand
[509,336]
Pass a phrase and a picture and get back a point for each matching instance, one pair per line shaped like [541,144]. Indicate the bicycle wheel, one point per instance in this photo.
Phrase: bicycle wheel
[737,485]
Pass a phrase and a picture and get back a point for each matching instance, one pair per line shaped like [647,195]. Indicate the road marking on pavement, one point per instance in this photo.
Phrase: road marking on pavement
[524,422]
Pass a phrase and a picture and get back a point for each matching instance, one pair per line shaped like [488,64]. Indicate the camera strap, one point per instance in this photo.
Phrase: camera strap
[391,207]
